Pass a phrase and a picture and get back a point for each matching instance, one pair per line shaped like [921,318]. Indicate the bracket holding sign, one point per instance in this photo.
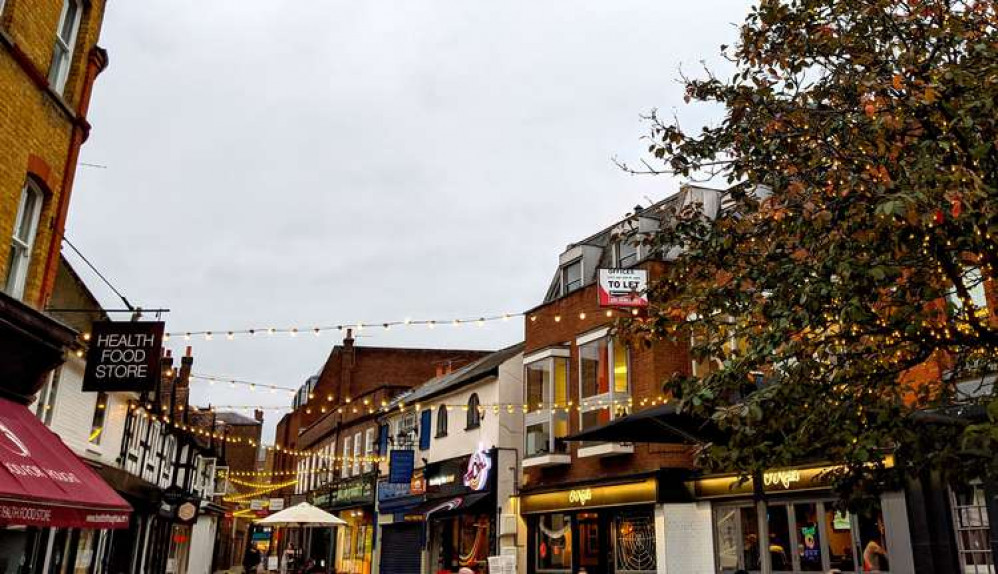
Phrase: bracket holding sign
[124,356]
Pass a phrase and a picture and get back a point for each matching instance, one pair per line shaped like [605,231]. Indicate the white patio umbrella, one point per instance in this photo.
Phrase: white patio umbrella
[302,514]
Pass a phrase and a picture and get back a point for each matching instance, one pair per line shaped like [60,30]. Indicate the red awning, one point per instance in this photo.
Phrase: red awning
[42,483]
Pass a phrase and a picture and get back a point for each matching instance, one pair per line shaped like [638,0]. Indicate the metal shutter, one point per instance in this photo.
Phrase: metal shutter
[401,547]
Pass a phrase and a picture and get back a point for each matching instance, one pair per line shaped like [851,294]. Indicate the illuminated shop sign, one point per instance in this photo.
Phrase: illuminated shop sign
[774,481]
[643,492]
[479,464]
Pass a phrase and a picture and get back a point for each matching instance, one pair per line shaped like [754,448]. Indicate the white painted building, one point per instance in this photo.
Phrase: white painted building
[466,443]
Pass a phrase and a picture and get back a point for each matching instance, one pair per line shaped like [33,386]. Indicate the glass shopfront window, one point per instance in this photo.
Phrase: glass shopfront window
[554,543]
[460,542]
[605,541]
[800,536]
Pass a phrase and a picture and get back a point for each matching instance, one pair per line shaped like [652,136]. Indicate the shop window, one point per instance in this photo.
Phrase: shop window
[65,40]
[23,240]
[604,382]
[571,277]
[799,537]
[441,421]
[547,386]
[633,541]
[554,543]
[474,417]
[972,528]
[97,423]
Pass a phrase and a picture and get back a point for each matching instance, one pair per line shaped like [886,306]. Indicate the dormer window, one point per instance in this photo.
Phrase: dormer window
[571,276]
[625,253]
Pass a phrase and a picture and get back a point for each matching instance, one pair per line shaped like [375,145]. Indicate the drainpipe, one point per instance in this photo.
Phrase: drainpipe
[96,63]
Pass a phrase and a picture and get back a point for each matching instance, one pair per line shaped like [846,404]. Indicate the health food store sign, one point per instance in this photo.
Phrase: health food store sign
[123,356]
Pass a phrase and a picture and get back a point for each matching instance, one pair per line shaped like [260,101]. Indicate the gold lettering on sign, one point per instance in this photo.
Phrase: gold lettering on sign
[580,496]
[781,477]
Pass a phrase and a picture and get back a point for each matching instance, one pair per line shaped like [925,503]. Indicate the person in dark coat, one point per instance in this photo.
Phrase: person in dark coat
[252,560]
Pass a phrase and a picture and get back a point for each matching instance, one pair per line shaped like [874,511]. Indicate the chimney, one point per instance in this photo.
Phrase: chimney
[348,361]
[184,383]
[166,382]
[258,415]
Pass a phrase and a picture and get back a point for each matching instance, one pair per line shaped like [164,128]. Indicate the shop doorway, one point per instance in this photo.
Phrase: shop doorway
[608,541]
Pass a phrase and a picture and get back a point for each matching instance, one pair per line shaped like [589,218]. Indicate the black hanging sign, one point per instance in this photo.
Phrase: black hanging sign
[123,356]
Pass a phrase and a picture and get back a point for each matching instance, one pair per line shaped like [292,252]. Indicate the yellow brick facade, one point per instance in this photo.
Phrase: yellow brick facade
[40,131]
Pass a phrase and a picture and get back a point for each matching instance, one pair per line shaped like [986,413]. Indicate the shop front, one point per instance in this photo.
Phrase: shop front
[351,499]
[460,513]
[796,527]
[56,513]
[401,531]
[593,528]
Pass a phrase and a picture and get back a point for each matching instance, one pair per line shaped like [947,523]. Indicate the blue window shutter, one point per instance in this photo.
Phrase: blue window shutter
[424,430]
[383,440]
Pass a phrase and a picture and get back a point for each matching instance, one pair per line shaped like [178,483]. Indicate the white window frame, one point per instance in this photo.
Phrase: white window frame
[21,247]
[347,449]
[535,416]
[2,4]
[978,293]
[62,52]
[357,449]
[582,275]
[610,399]
[368,447]
[616,252]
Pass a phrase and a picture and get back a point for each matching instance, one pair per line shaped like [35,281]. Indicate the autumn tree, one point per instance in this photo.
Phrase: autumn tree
[839,290]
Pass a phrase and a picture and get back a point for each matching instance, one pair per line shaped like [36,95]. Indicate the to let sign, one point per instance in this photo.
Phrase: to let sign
[623,288]
[123,356]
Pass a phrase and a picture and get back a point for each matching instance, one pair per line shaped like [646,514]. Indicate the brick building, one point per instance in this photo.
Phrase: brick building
[335,414]
[581,500]
[49,60]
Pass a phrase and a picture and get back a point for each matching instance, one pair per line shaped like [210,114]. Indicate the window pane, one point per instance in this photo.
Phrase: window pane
[593,368]
[97,424]
[538,438]
[779,538]
[595,418]
[27,211]
[620,374]
[634,542]
[538,381]
[560,380]
[840,545]
[749,519]
[726,524]
[871,540]
[808,541]
[627,253]
[554,543]
[66,30]
[572,276]
[560,421]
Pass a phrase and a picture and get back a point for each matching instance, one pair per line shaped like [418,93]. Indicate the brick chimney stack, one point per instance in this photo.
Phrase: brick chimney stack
[258,415]
[349,354]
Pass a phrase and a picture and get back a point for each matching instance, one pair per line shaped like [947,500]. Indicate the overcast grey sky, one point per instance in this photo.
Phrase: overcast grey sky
[327,161]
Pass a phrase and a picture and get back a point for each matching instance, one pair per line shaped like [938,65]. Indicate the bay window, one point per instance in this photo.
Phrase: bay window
[604,381]
[547,385]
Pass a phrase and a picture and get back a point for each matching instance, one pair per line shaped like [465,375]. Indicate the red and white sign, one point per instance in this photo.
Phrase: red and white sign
[623,288]
[42,483]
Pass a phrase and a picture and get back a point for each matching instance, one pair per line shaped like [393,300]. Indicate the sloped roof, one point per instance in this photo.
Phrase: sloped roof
[468,374]
[232,418]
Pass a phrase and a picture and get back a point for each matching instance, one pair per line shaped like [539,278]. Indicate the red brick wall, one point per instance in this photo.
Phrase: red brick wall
[650,367]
